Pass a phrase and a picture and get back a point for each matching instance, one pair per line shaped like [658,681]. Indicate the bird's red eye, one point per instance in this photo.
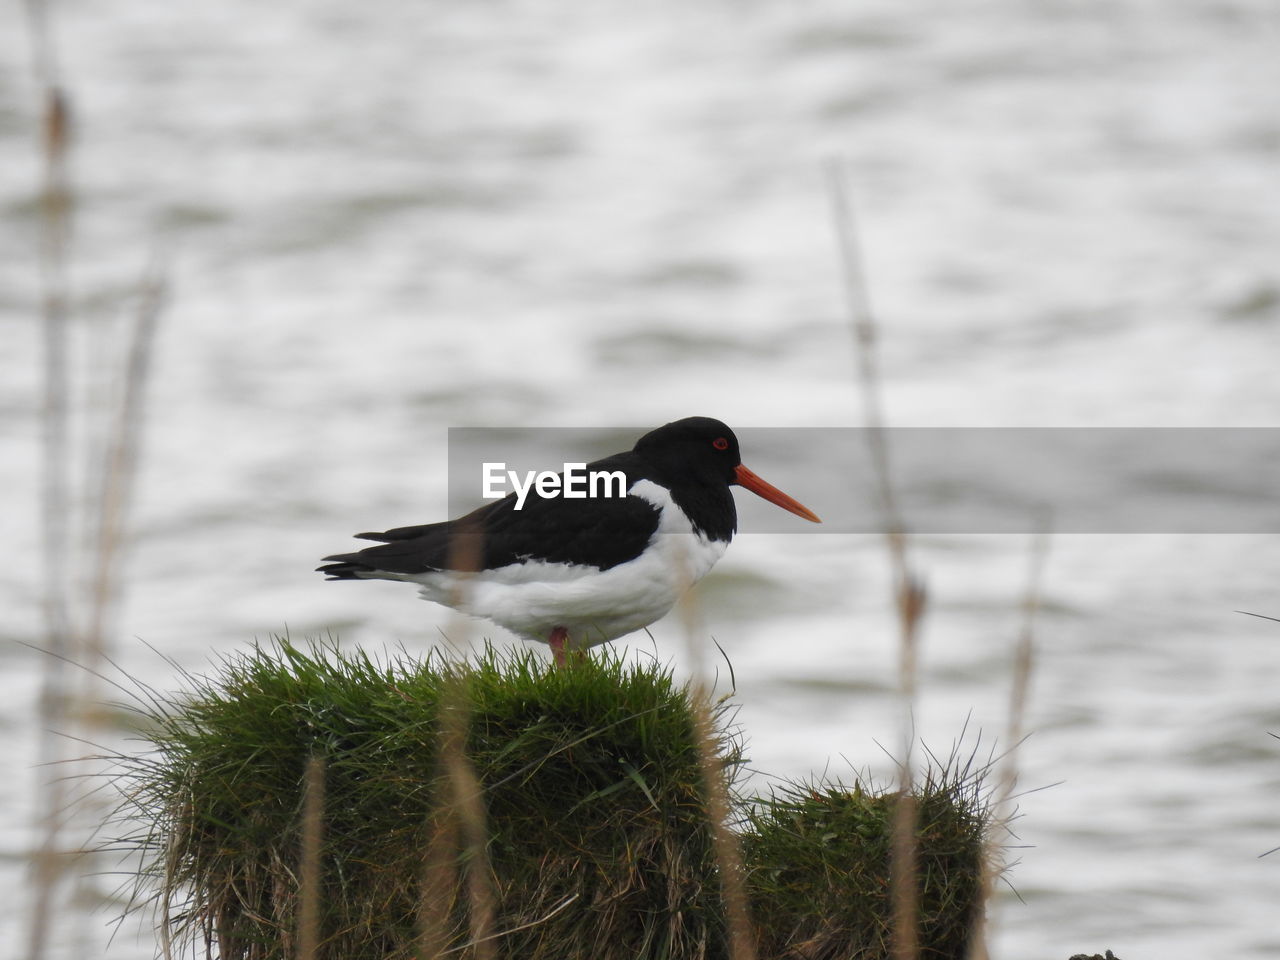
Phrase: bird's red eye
[720,443]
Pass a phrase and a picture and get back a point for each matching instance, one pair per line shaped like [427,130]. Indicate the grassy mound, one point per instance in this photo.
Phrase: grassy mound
[594,840]
[820,857]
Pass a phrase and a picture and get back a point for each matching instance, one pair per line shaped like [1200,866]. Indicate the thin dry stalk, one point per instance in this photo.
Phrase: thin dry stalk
[460,825]
[119,470]
[1023,663]
[308,932]
[62,704]
[524,926]
[909,592]
[110,511]
[728,852]
[1024,660]
[168,889]
[904,878]
[725,843]
[461,821]
[866,342]
[439,886]
[467,805]
[55,207]
[55,227]
[904,866]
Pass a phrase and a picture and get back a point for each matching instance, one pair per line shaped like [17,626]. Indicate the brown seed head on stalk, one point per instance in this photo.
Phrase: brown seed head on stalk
[57,123]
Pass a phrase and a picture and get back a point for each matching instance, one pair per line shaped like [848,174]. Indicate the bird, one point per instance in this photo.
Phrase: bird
[577,572]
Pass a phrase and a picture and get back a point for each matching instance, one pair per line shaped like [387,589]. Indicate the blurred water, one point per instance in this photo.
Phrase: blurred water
[381,222]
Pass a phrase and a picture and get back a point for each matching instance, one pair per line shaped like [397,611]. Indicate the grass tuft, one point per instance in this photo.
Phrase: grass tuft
[822,885]
[591,796]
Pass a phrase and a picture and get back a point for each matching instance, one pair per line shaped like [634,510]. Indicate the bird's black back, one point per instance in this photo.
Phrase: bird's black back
[601,532]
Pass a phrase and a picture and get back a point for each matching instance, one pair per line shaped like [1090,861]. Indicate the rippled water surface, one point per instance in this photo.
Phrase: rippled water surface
[380,222]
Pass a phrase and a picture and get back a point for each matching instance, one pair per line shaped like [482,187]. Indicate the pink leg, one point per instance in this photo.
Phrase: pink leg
[559,637]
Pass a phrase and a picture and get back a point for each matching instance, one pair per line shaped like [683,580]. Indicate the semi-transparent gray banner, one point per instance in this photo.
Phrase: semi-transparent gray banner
[945,480]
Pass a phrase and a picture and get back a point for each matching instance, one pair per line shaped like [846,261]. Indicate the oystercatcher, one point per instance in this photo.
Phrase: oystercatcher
[573,573]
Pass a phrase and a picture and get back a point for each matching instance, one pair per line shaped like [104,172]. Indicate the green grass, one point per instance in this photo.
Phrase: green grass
[592,802]
[820,857]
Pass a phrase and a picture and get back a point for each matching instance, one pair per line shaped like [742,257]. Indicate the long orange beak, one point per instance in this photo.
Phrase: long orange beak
[745,478]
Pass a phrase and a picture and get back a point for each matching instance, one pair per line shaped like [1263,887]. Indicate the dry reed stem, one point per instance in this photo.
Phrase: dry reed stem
[47,861]
[725,843]
[1024,659]
[439,887]
[467,805]
[61,705]
[309,888]
[909,592]
[728,852]
[1023,663]
[119,470]
[119,467]
[168,888]
[460,822]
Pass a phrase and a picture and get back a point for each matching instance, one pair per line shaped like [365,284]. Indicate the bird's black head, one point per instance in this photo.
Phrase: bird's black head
[697,459]
[698,448]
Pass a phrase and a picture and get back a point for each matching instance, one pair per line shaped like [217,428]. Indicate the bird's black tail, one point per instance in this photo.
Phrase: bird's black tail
[348,566]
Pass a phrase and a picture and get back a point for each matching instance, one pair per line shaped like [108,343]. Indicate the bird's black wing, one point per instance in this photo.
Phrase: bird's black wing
[595,531]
